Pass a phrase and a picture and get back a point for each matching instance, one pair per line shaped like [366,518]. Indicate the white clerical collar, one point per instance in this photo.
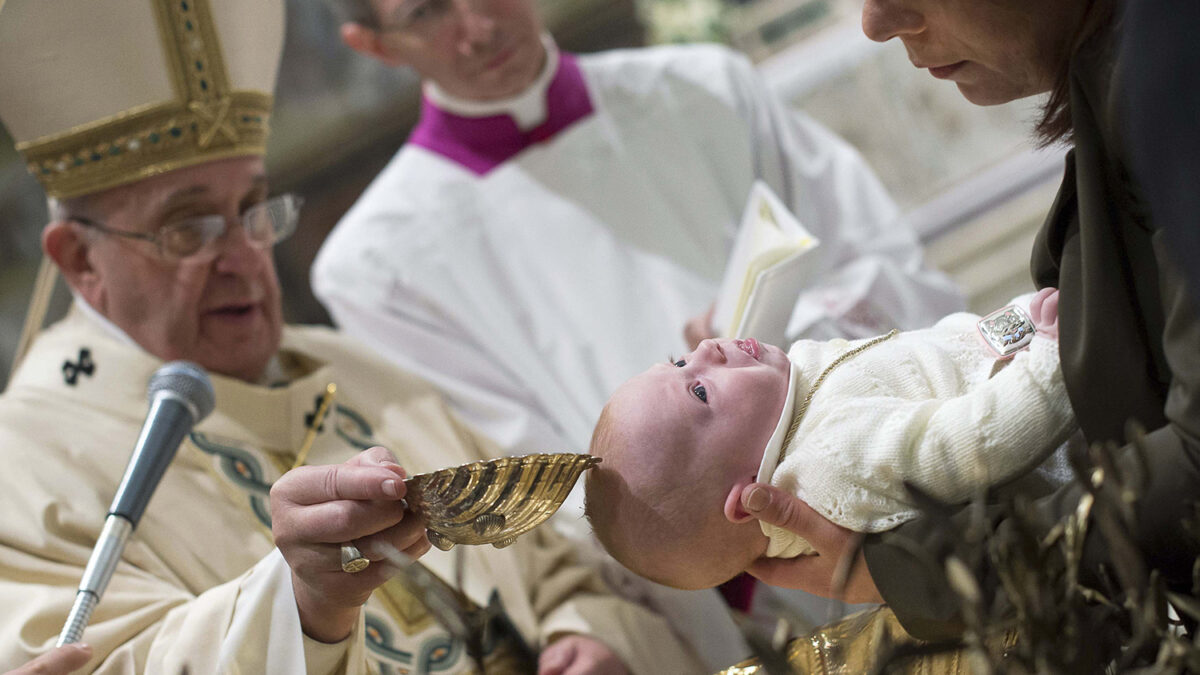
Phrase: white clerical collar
[274,375]
[527,109]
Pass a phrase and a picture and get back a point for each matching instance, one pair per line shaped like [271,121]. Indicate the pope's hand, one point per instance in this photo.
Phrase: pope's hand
[60,661]
[579,655]
[316,509]
[837,570]
[699,328]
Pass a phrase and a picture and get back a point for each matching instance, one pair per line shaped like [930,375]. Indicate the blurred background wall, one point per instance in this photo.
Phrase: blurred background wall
[967,176]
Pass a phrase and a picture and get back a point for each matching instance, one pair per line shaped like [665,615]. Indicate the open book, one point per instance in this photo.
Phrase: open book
[766,270]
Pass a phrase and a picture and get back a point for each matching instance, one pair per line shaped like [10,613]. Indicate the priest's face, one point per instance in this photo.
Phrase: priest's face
[477,50]
[219,308]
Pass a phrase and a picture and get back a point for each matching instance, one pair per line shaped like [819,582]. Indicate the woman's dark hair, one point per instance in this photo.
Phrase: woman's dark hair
[1097,22]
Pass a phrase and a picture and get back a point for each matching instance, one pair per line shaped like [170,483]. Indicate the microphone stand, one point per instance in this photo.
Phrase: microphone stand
[99,570]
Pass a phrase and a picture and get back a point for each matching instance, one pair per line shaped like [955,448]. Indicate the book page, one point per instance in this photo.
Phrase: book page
[765,272]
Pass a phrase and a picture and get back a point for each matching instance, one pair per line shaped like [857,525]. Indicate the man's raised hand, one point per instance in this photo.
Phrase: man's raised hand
[316,509]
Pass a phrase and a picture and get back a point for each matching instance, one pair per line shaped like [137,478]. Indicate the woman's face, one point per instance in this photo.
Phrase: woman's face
[994,50]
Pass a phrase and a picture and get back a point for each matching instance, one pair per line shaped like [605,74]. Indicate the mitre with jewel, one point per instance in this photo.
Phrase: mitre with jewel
[100,94]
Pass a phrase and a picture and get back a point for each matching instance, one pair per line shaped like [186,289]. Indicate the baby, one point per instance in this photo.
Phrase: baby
[840,424]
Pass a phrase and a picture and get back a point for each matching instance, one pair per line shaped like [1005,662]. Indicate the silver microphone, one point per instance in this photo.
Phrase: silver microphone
[180,396]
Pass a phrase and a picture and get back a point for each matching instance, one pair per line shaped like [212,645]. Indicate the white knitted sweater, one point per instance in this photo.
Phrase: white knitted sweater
[920,407]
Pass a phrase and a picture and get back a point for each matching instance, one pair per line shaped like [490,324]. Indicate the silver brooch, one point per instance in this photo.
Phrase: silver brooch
[1007,330]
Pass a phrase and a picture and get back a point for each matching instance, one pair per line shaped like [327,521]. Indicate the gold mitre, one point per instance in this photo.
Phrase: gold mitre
[100,93]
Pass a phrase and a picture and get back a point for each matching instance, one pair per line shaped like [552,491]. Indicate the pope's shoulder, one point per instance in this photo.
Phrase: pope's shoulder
[356,360]
[40,427]
[332,346]
[404,407]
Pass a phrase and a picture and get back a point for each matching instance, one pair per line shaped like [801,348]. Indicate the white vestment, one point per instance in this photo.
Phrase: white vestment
[922,406]
[530,292]
[200,586]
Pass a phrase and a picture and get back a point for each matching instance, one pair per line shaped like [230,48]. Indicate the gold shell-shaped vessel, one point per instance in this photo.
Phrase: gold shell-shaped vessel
[495,501]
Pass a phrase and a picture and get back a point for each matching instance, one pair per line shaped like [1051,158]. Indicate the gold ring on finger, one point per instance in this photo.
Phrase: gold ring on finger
[353,561]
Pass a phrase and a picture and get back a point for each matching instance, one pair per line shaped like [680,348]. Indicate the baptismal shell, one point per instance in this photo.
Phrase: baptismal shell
[495,501]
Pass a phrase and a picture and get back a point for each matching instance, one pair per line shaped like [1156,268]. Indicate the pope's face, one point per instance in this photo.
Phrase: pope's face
[221,311]
[725,396]
[473,49]
[994,50]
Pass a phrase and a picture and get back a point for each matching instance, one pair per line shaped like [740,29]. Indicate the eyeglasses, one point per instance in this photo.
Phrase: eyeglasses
[266,224]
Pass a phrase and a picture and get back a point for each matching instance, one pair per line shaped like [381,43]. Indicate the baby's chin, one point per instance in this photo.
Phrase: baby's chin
[775,356]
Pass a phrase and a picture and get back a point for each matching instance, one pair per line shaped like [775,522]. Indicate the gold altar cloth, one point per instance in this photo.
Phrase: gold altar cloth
[854,646]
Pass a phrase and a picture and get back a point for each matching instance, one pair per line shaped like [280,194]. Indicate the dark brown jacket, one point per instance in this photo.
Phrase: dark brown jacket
[1130,346]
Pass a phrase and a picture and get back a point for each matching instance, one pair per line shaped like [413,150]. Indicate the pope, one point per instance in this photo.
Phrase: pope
[146,124]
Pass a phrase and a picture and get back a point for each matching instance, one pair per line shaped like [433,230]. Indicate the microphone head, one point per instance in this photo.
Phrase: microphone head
[186,382]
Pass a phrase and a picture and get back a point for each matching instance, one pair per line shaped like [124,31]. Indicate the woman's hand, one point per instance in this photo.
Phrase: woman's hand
[837,570]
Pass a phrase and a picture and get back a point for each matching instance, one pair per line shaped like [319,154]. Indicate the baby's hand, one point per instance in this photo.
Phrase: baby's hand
[1044,310]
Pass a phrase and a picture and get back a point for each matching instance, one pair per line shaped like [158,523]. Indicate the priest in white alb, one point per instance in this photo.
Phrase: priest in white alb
[555,220]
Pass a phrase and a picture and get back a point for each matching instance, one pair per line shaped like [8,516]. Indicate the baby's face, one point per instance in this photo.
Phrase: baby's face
[725,395]
[677,442]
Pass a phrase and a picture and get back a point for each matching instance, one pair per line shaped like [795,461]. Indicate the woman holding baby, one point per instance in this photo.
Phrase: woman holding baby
[1129,333]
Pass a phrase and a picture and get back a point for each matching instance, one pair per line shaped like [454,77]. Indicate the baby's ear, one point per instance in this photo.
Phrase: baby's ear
[734,512]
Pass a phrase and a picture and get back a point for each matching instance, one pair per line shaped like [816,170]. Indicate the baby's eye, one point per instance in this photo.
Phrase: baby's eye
[680,363]
[700,392]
